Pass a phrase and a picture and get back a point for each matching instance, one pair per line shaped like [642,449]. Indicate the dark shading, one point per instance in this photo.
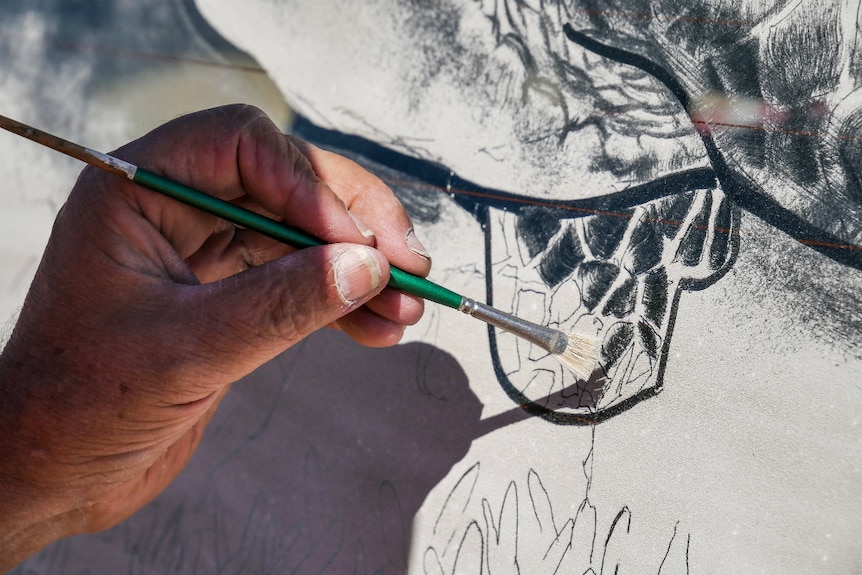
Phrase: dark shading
[561,259]
[752,143]
[672,194]
[721,238]
[619,338]
[655,294]
[734,71]
[690,30]
[437,179]
[594,9]
[596,277]
[649,339]
[536,226]
[822,296]
[850,156]
[803,164]
[802,56]
[427,22]
[645,247]
[534,409]
[669,214]
[691,247]
[641,167]
[622,301]
[422,202]
[96,12]
[605,232]
[735,186]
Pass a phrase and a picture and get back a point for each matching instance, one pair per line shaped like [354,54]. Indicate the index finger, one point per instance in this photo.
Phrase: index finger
[370,199]
[233,152]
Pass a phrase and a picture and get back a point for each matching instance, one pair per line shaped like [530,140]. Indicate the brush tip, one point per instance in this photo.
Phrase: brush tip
[581,354]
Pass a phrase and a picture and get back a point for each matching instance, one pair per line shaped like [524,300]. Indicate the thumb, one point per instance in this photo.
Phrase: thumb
[245,320]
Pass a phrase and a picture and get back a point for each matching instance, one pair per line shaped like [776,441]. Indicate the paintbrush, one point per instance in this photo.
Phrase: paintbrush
[577,351]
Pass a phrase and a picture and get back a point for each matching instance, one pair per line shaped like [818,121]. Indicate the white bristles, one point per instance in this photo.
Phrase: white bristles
[581,355]
[578,352]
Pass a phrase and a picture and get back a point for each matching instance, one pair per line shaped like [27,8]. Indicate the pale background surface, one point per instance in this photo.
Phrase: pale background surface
[99,73]
[749,461]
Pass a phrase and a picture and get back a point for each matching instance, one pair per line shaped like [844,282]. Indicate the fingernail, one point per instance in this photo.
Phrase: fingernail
[360,225]
[415,245]
[356,274]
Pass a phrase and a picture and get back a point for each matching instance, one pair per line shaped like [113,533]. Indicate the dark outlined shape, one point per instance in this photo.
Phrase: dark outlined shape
[737,188]
[474,197]
[478,199]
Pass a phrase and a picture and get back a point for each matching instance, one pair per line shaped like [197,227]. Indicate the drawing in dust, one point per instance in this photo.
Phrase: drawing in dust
[577,155]
[528,534]
[613,266]
[600,151]
[616,264]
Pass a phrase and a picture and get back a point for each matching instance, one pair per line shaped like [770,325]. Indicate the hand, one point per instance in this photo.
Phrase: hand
[144,311]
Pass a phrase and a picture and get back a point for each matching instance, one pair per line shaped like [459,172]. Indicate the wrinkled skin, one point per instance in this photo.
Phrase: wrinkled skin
[144,311]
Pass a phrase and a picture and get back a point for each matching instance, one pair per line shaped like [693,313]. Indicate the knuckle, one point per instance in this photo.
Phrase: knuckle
[244,112]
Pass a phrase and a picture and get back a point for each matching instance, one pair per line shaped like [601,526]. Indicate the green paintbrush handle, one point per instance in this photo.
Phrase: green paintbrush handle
[399,279]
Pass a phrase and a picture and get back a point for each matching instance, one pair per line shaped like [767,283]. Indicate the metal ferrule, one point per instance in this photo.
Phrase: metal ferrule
[549,339]
[113,164]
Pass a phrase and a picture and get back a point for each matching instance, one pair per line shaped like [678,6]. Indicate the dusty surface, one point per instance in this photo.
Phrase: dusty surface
[101,74]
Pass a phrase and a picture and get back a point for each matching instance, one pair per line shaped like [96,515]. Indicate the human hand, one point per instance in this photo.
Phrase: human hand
[144,311]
